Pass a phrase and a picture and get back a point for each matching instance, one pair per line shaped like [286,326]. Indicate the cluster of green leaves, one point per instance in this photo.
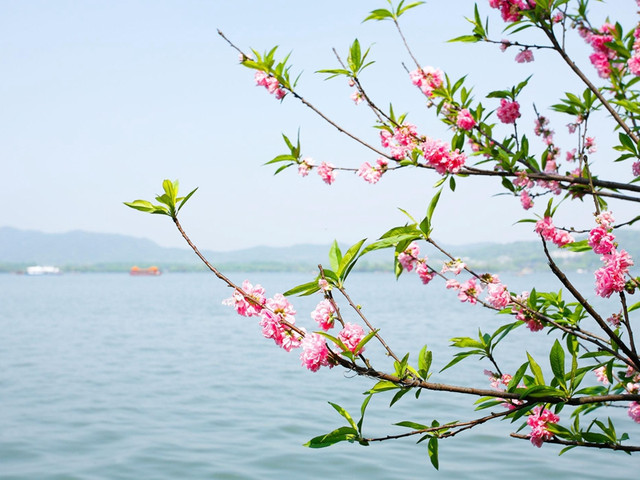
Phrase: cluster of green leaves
[266,62]
[606,436]
[170,203]
[355,63]
[393,13]
[287,159]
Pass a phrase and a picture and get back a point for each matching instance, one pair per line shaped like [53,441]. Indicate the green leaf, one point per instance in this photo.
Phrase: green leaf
[335,256]
[344,413]
[303,289]
[339,435]
[412,425]
[382,386]
[379,14]
[184,200]
[424,360]
[433,452]
[536,370]
[348,260]
[556,359]
[581,246]
[142,205]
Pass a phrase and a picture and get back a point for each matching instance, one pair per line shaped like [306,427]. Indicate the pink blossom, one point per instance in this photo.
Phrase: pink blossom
[533,324]
[327,172]
[401,142]
[465,120]
[634,411]
[558,17]
[469,291]
[634,64]
[497,380]
[427,79]
[601,241]
[455,266]
[261,78]
[372,174]
[498,295]
[524,56]
[282,335]
[409,256]
[546,229]
[601,375]
[601,62]
[248,304]
[606,219]
[511,10]
[635,169]
[438,155]
[324,285]
[590,145]
[351,335]
[452,283]
[610,278]
[357,97]
[522,180]
[504,44]
[305,166]
[324,314]
[539,421]
[571,155]
[526,200]
[615,319]
[315,353]
[508,112]
[424,272]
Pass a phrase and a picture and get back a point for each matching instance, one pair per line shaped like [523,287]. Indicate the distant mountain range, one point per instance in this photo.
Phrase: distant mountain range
[85,251]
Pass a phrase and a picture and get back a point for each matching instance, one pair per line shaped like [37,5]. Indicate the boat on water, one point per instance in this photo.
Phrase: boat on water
[43,270]
[145,271]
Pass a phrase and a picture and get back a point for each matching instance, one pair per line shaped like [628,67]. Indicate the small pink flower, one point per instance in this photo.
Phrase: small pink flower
[547,231]
[249,303]
[452,284]
[610,278]
[635,169]
[372,174]
[315,353]
[357,97]
[615,319]
[324,285]
[424,272]
[525,200]
[469,291]
[327,172]
[465,120]
[351,335]
[590,145]
[601,375]
[601,241]
[409,256]
[508,112]
[455,266]
[524,56]
[498,295]
[305,166]
[324,314]
[634,64]
[539,421]
[427,79]
[634,411]
[533,324]
[504,44]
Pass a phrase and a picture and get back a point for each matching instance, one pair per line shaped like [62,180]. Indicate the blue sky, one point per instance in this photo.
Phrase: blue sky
[100,101]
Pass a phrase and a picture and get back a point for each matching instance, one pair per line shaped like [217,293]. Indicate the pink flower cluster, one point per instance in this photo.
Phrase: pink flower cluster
[611,277]
[351,335]
[525,200]
[498,380]
[508,112]
[438,154]
[305,166]
[524,56]
[315,353]
[327,172]
[602,54]
[522,314]
[634,411]
[550,233]
[249,302]
[539,421]
[427,79]
[541,129]
[373,173]
[409,259]
[401,141]
[455,266]
[469,291]
[511,10]
[498,295]
[324,314]
[635,169]
[278,312]
[270,83]
[465,120]
[601,375]
[634,62]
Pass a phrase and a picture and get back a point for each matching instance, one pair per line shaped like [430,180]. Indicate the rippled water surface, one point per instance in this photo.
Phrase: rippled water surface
[107,376]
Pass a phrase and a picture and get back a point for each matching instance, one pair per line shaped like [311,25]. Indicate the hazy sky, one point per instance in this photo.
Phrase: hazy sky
[100,101]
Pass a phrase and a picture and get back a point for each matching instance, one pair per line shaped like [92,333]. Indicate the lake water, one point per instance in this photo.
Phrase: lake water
[107,376]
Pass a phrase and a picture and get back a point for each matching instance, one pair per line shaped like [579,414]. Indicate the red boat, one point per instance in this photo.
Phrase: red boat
[145,271]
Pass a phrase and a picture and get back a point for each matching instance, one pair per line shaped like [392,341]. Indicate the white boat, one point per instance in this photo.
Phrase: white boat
[43,270]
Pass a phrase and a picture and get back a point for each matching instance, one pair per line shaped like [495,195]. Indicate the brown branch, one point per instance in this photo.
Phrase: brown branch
[572,443]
